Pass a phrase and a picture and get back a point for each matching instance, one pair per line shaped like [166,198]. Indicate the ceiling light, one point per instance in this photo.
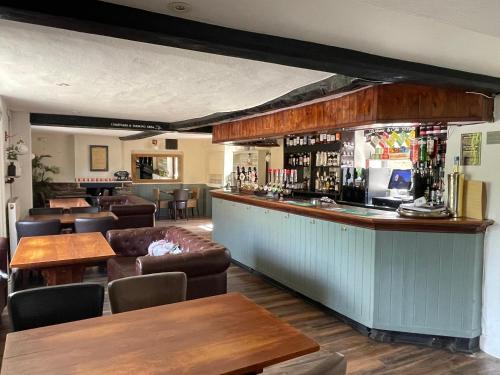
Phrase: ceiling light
[179,7]
[63,84]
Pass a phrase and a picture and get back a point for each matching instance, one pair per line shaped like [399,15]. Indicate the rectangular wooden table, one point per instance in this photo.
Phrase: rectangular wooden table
[225,334]
[68,202]
[62,258]
[69,219]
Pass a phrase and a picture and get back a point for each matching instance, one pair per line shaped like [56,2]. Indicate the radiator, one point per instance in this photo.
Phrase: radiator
[14,213]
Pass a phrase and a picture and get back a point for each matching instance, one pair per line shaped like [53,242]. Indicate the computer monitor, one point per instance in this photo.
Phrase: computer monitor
[400,179]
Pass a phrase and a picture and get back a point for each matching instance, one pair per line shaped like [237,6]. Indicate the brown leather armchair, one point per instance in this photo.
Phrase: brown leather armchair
[4,260]
[132,211]
[205,264]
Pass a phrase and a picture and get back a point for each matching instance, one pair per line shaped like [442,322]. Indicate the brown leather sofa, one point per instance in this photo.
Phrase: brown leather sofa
[132,211]
[4,251]
[205,264]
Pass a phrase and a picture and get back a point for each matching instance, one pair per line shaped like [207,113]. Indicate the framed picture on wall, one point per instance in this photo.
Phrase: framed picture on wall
[98,158]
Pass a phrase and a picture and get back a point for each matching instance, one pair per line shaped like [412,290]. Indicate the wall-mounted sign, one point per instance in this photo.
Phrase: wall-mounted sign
[470,150]
[99,158]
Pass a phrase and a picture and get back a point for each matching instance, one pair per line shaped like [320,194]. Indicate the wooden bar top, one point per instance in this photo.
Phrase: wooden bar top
[362,217]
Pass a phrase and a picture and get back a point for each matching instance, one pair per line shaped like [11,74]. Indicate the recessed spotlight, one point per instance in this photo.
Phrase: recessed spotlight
[179,7]
[63,84]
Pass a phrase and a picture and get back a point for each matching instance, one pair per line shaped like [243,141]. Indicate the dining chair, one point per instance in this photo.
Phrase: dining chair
[44,306]
[84,210]
[192,202]
[95,224]
[26,228]
[160,203]
[335,364]
[140,292]
[46,211]
[179,203]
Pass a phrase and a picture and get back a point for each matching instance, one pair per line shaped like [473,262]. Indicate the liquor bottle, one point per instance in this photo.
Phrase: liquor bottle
[422,152]
[256,177]
[313,140]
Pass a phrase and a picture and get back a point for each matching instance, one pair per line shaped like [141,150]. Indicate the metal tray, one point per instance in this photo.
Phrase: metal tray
[423,215]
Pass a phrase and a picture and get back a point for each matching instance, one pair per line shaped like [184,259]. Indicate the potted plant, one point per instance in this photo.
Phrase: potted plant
[12,152]
[42,179]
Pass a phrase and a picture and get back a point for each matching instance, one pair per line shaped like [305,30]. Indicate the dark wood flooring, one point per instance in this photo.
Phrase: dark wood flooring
[364,355]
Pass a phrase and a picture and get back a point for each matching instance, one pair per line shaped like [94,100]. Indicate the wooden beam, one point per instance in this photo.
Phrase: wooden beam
[97,122]
[391,103]
[96,17]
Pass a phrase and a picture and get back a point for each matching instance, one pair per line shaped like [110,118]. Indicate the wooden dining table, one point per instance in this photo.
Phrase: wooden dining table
[68,203]
[69,219]
[224,334]
[62,258]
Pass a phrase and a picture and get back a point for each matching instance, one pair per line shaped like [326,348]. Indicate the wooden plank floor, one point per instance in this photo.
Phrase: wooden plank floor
[364,355]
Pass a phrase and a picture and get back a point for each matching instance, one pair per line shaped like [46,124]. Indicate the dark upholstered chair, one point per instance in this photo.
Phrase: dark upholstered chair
[336,364]
[46,211]
[192,202]
[37,228]
[179,203]
[98,224]
[4,261]
[140,292]
[84,210]
[50,305]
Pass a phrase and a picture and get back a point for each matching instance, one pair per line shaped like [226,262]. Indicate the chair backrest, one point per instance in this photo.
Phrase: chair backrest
[336,364]
[156,194]
[37,228]
[86,210]
[181,195]
[195,193]
[46,211]
[49,305]
[97,224]
[139,292]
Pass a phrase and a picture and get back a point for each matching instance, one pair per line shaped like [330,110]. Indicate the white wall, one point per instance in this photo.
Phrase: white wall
[22,187]
[61,148]
[4,127]
[488,172]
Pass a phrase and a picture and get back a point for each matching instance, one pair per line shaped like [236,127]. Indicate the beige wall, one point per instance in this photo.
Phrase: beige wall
[82,155]
[200,158]
[61,148]
[203,161]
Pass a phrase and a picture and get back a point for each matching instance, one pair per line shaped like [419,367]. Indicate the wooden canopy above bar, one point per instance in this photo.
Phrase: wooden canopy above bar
[367,218]
[386,103]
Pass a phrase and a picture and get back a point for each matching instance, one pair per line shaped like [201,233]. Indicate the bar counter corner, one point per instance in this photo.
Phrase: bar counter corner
[416,279]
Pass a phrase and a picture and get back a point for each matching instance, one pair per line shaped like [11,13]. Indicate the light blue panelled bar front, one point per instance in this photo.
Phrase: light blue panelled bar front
[416,282]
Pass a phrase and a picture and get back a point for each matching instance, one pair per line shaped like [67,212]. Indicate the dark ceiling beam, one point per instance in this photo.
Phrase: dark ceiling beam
[117,21]
[46,119]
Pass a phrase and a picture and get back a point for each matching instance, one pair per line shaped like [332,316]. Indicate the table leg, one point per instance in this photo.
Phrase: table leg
[64,274]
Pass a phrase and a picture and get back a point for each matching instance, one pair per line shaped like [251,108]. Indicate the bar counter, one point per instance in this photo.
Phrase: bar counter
[362,217]
[417,280]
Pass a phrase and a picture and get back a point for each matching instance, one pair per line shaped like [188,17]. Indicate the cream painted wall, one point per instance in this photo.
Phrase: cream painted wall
[200,157]
[61,147]
[488,172]
[82,155]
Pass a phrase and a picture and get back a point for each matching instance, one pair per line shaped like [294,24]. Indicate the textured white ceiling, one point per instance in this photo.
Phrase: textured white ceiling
[58,71]
[115,133]
[459,34]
